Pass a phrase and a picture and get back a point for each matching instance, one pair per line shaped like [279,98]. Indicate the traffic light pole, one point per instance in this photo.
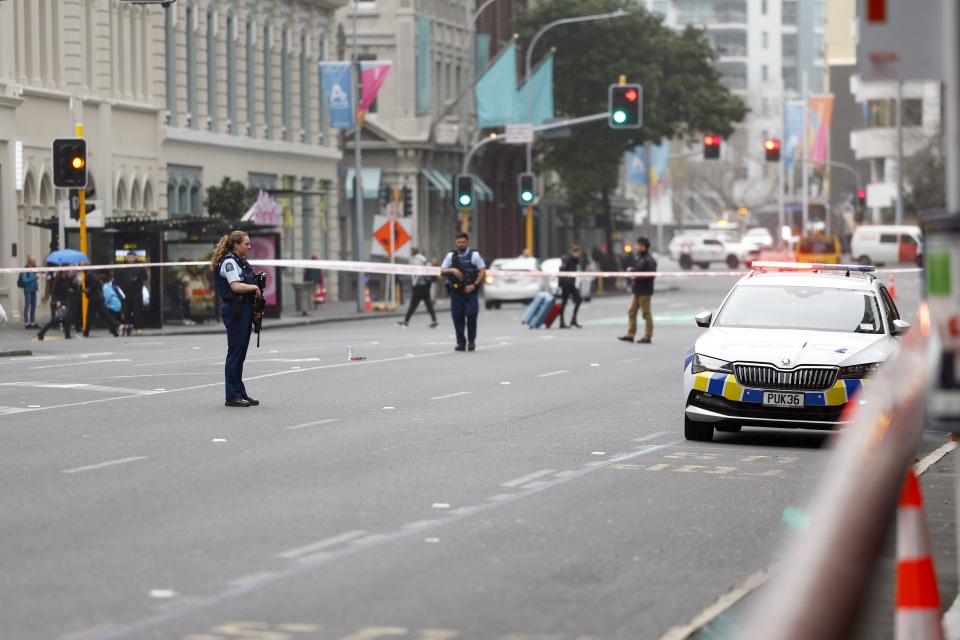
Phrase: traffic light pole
[82,193]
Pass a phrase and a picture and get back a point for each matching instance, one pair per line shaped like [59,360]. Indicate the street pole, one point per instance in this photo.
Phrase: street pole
[899,120]
[804,170]
[647,156]
[358,179]
[82,192]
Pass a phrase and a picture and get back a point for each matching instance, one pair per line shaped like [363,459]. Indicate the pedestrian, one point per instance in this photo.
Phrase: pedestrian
[464,270]
[568,286]
[96,304]
[61,290]
[237,290]
[421,290]
[29,282]
[132,280]
[113,300]
[640,261]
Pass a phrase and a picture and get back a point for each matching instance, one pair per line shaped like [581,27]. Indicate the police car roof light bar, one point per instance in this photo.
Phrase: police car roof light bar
[811,266]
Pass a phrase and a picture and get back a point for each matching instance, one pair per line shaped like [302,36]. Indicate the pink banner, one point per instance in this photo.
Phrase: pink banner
[372,75]
[819,114]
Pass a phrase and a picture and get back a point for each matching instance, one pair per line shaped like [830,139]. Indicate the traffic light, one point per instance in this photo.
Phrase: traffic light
[625,106]
[859,205]
[463,191]
[407,195]
[88,205]
[526,188]
[69,163]
[711,147]
[772,148]
[385,193]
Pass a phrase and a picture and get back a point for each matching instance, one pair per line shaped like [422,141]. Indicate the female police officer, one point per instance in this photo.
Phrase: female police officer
[236,288]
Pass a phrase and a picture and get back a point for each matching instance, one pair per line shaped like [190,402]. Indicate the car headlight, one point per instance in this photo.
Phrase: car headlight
[858,371]
[703,363]
[488,279]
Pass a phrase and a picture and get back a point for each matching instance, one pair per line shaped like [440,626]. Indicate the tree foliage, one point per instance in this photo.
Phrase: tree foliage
[230,200]
[682,94]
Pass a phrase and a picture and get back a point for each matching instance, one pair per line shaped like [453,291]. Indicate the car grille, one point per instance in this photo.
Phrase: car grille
[761,376]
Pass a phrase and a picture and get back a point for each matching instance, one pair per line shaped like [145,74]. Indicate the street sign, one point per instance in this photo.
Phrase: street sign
[402,231]
[519,133]
[900,40]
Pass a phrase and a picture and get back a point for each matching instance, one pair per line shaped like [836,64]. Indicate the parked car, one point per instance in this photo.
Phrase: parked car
[818,248]
[586,285]
[885,244]
[498,289]
[789,347]
[704,251]
[758,238]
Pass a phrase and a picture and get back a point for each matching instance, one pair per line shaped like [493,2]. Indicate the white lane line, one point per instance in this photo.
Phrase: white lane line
[104,464]
[78,385]
[451,395]
[652,436]
[320,544]
[553,373]
[8,410]
[527,478]
[77,364]
[313,424]
[931,458]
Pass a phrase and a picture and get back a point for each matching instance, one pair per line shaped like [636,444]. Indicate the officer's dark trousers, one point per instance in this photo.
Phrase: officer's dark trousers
[464,310]
[421,292]
[238,339]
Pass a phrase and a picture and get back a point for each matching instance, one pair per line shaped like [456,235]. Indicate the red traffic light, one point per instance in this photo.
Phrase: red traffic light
[862,194]
[631,95]
[771,144]
[711,141]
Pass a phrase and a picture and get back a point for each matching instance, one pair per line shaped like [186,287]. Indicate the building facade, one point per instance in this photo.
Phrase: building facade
[171,101]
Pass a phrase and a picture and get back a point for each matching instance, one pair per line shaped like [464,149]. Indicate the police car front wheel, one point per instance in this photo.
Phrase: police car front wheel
[697,430]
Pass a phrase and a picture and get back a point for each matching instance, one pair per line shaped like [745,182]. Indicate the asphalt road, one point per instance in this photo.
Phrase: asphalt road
[537,489]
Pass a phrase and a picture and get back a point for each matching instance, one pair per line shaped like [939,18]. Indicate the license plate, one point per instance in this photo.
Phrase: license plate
[780,399]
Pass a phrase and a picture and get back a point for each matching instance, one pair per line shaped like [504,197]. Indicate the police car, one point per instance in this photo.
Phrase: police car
[790,345]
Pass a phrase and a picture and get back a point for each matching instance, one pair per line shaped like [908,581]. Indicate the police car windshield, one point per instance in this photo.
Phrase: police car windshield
[806,308]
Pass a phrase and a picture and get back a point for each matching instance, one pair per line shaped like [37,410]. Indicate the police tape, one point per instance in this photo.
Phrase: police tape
[412,270]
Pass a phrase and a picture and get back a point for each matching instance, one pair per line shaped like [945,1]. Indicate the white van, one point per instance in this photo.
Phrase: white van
[884,244]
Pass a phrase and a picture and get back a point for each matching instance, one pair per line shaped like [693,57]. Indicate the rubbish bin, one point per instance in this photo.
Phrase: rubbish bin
[303,294]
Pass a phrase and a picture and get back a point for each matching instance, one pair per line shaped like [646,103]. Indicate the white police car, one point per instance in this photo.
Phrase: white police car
[791,343]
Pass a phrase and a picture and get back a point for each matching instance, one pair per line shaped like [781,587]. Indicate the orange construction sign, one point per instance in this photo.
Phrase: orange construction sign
[400,236]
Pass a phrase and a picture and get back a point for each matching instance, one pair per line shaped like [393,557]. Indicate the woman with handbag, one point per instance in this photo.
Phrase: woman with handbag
[61,290]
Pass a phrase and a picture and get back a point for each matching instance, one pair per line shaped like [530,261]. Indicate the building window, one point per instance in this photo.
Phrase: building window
[789,51]
[790,79]
[734,74]
[184,187]
[763,8]
[819,16]
[764,40]
[192,66]
[170,43]
[304,87]
[268,81]
[232,73]
[789,9]
[661,6]
[212,58]
[763,72]
[730,43]
[285,97]
[818,46]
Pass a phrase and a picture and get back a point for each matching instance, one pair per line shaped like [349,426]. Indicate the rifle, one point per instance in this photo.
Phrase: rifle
[259,304]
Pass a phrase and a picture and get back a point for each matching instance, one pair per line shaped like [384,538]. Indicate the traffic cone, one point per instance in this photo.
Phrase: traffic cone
[918,600]
[891,288]
[366,298]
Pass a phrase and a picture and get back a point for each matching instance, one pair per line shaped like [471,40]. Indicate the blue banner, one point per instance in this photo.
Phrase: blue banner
[338,93]
[659,164]
[541,98]
[496,90]
[792,131]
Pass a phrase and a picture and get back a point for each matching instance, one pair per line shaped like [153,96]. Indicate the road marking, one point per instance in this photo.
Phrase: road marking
[74,364]
[313,424]
[553,373]
[80,386]
[104,464]
[527,478]
[356,547]
[932,457]
[652,436]
[8,410]
[451,395]
[320,544]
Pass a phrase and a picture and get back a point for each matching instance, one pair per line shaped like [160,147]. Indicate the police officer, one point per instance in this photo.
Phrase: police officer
[237,289]
[464,270]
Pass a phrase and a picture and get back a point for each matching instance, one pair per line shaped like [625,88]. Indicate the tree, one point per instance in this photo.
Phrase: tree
[230,200]
[682,94]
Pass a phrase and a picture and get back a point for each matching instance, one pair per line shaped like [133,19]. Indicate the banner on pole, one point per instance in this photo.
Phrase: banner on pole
[338,91]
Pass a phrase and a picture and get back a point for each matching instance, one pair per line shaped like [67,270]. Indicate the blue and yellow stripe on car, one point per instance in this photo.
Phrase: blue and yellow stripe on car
[726,385]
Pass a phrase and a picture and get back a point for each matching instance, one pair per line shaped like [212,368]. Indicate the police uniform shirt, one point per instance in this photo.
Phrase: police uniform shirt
[476,259]
[230,269]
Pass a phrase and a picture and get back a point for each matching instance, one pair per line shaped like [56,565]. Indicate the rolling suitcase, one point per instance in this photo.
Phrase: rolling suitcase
[552,313]
[539,302]
[542,312]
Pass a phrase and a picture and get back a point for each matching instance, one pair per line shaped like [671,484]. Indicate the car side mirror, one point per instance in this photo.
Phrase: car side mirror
[900,327]
[704,317]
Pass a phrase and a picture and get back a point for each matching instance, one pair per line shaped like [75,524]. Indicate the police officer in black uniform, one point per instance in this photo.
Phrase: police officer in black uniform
[237,289]
[464,270]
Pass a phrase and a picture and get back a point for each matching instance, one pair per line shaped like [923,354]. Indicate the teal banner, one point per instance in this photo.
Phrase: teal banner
[424,65]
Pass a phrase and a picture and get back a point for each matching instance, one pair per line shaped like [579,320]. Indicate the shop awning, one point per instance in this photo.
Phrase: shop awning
[371,183]
[437,179]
